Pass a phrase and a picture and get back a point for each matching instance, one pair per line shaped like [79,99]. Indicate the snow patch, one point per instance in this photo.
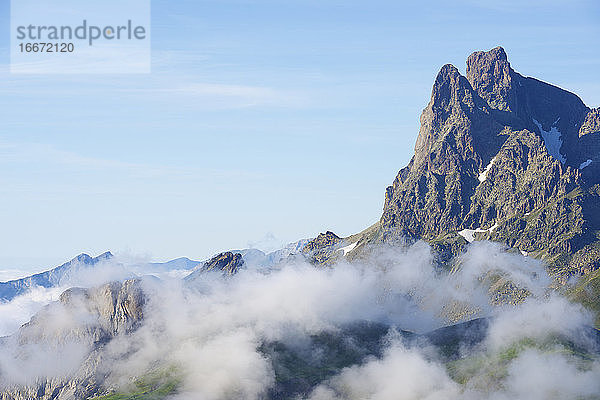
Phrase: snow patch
[349,248]
[527,213]
[524,253]
[552,140]
[469,234]
[585,164]
[483,176]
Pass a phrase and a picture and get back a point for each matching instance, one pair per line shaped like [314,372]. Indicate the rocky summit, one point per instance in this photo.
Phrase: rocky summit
[228,263]
[82,323]
[503,157]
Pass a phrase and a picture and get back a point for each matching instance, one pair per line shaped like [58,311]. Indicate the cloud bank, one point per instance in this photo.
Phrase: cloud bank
[213,334]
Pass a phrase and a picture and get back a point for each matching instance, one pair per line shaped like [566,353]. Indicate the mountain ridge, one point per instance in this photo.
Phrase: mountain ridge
[11,289]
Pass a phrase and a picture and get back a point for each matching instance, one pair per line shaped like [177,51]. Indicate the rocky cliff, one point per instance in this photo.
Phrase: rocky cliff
[69,336]
[227,263]
[503,157]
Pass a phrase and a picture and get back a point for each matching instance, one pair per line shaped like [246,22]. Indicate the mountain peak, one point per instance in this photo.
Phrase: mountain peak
[446,137]
[446,82]
[324,239]
[50,278]
[447,70]
[228,263]
[83,258]
[497,54]
[104,256]
[495,147]
[492,77]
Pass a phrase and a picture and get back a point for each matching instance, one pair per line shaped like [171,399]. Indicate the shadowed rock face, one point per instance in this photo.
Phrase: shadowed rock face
[488,157]
[227,263]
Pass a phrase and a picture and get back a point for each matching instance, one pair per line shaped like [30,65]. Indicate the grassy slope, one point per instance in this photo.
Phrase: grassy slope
[156,385]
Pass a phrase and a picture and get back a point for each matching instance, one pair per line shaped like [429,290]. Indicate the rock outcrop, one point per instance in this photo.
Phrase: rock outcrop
[227,263]
[321,250]
[69,335]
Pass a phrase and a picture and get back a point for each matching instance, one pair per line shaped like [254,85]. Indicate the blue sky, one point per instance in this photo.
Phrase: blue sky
[262,122]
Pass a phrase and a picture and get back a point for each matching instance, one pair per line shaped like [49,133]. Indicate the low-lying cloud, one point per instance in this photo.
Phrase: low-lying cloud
[18,311]
[211,333]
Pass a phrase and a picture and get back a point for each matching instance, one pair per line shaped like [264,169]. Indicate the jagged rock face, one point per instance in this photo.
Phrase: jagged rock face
[228,263]
[73,330]
[456,139]
[118,306]
[591,123]
[455,112]
[488,158]
[322,249]
[490,74]
[518,101]
[323,240]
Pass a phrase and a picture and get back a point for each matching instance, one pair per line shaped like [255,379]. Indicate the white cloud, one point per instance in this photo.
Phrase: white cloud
[536,319]
[212,332]
[402,374]
[543,376]
[15,313]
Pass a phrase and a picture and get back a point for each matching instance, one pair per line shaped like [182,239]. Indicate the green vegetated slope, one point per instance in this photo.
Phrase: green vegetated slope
[299,368]
[156,385]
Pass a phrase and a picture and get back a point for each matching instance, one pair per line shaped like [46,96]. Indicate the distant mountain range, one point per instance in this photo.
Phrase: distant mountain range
[84,263]
[51,278]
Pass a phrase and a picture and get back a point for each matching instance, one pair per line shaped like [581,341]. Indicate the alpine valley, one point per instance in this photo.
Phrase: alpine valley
[481,280]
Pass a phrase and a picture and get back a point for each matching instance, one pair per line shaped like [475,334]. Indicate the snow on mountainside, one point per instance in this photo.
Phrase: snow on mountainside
[499,148]
[585,163]
[483,176]
[552,140]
